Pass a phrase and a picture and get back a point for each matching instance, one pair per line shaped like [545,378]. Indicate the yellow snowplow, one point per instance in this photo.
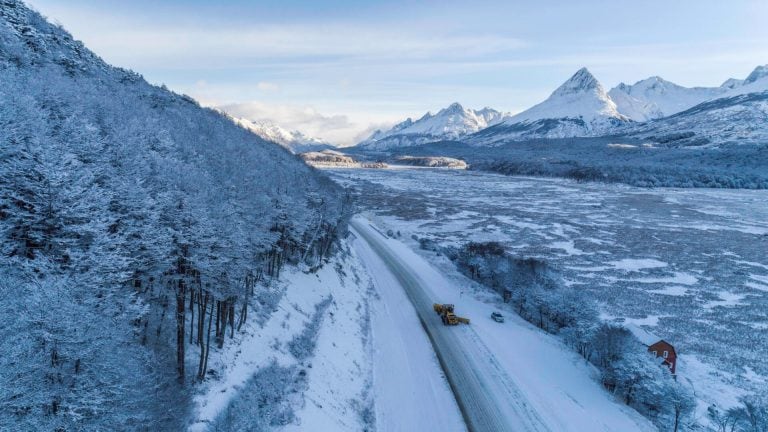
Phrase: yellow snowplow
[447,315]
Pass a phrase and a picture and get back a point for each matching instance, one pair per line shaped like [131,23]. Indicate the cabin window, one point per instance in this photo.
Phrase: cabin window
[656,353]
[666,354]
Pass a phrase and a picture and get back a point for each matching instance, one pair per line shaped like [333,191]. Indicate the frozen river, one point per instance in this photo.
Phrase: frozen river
[689,264]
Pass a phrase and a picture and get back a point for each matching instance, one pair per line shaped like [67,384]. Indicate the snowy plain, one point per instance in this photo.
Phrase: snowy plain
[687,264]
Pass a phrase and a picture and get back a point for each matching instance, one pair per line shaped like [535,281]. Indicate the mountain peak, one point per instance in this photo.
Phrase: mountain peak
[454,108]
[732,83]
[452,122]
[293,140]
[581,81]
[579,107]
[759,73]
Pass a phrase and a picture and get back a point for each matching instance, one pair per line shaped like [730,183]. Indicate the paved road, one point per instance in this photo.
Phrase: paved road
[487,397]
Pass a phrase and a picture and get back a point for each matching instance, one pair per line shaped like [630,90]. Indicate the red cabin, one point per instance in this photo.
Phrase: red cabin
[657,346]
[666,351]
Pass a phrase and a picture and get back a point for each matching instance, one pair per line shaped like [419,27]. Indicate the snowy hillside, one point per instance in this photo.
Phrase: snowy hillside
[739,119]
[579,107]
[654,97]
[756,82]
[295,141]
[128,216]
[450,123]
[736,114]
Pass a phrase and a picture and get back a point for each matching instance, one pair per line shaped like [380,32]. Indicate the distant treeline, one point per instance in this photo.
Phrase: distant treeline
[616,160]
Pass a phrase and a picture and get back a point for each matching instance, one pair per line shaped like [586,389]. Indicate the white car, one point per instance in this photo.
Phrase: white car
[498,317]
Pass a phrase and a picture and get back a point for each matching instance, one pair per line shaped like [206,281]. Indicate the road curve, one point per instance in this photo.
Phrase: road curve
[488,399]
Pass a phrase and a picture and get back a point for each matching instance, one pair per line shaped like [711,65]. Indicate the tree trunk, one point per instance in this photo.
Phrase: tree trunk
[243,315]
[192,317]
[202,308]
[223,321]
[677,419]
[201,341]
[218,315]
[232,319]
[207,343]
[180,311]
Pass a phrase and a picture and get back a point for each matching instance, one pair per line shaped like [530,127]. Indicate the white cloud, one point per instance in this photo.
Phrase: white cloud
[337,129]
[267,86]
[183,46]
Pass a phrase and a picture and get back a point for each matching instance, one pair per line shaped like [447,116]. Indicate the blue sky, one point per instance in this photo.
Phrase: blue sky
[336,69]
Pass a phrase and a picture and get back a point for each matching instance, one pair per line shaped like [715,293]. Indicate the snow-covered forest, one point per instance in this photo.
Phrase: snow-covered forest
[611,160]
[136,229]
[168,266]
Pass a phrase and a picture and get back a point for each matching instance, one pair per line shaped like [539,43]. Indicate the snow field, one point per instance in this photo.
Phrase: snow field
[338,374]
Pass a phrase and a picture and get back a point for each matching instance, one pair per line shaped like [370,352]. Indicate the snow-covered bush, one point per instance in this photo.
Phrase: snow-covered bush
[536,291]
[635,162]
[303,344]
[750,416]
[266,401]
[538,295]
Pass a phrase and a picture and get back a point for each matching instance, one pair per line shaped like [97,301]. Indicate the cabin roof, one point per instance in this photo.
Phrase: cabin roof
[644,336]
[662,341]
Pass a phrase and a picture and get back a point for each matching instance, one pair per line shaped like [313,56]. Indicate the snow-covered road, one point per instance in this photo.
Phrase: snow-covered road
[505,377]
[487,404]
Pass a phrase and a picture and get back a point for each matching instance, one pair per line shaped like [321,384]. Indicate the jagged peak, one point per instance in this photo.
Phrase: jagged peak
[759,73]
[454,107]
[623,87]
[732,83]
[581,81]
[655,82]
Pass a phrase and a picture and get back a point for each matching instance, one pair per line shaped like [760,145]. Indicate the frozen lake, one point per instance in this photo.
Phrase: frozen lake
[690,264]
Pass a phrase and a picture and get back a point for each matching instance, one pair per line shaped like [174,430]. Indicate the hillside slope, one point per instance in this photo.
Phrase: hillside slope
[126,211]
[739,119]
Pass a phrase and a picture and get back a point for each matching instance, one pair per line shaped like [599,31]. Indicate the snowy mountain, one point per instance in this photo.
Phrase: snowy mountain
[732,83]
[295,141]
[755,82]
[451,123]
[127,211]
[579,107]
[738,119]
[738,114]
[655,97]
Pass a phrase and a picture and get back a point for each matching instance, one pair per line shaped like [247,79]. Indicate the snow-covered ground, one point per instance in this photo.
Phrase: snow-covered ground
[337,374]
[687,264]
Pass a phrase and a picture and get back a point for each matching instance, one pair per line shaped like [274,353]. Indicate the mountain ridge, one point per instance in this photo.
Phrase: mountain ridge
[578,107]
[294,140]
[450,123]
